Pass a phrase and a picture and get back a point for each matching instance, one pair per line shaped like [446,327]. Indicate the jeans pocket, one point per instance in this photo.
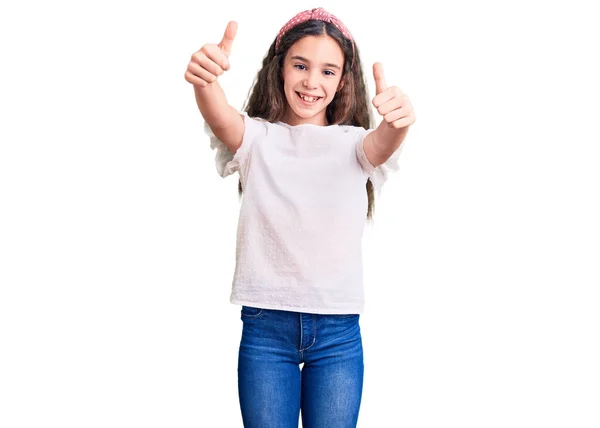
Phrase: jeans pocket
[251,312]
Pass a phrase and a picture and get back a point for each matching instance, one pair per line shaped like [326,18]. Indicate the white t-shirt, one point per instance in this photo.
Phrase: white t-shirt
[303,211]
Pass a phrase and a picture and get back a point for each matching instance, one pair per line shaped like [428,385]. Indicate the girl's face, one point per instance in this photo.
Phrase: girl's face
[312,71]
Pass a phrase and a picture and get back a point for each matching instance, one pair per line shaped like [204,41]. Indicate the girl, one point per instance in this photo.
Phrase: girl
[308,165]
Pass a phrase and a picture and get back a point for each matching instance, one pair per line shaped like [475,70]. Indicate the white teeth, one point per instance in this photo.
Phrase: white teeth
[309,99]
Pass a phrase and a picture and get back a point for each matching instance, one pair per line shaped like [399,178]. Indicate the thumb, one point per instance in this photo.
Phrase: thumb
[380,84]
[228,37]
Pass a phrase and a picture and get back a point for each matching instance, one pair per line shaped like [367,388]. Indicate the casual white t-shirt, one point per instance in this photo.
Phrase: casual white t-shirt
[303,211]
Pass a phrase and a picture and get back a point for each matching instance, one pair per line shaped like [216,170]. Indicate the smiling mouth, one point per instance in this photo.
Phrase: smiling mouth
[308,99]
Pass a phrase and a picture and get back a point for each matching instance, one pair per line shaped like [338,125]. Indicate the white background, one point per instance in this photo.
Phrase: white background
[117,236]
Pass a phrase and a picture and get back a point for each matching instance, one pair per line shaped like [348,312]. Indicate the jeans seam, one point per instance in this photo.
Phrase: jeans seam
[314,334]
[253,316]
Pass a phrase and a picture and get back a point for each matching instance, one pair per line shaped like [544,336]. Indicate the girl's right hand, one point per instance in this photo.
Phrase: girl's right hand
[211,60]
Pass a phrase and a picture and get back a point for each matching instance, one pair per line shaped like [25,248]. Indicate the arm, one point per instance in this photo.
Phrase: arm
[380,144]
[203,70]
[224,120]
[398,115]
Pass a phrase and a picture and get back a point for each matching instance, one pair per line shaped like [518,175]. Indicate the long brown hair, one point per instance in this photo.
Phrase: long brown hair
[350,106]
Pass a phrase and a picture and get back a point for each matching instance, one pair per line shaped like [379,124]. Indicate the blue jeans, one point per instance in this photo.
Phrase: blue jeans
[272,387]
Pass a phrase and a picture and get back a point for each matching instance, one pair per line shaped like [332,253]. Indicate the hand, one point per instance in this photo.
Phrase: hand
[391,103]
[211,60]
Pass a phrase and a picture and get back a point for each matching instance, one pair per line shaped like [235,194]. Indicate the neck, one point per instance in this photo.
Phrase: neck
[293,119]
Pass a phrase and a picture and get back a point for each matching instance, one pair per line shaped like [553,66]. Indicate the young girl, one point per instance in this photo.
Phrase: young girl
[308,165]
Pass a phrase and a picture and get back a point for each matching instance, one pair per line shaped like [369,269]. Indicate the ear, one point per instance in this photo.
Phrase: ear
[341,85]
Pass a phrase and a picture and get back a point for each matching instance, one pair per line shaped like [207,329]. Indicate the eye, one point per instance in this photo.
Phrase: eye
[300,66]
[329,73]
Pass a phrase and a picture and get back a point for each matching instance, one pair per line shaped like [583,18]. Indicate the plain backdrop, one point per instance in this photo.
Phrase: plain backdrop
[117,236]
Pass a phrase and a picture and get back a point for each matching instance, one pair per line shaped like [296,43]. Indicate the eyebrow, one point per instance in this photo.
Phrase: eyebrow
[328,64]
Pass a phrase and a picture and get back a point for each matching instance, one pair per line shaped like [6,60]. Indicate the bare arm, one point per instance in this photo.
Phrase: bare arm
[380,144]
[224,120]
[203,70]
[398,115]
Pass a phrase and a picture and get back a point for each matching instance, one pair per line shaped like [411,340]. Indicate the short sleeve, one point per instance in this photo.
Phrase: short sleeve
[226,162]
[377,175]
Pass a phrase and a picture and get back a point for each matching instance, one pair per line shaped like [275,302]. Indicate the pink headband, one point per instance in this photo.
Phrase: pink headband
[318,14]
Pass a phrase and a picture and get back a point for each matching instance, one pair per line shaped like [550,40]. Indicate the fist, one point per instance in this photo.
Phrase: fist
[390,102]
[211,60]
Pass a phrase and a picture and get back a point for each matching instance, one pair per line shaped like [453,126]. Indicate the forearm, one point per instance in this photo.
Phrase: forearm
[380,144]
[387,139]
[213,106]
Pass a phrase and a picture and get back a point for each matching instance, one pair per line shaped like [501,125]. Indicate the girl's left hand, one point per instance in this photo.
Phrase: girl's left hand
[391,102]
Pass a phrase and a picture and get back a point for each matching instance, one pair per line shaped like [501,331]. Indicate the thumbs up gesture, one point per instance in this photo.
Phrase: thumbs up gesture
[211,60]
[390,102]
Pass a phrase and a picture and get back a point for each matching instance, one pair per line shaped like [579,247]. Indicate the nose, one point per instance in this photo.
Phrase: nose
[310,82]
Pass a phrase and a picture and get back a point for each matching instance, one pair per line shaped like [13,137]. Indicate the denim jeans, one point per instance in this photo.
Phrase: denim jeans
[274,390]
